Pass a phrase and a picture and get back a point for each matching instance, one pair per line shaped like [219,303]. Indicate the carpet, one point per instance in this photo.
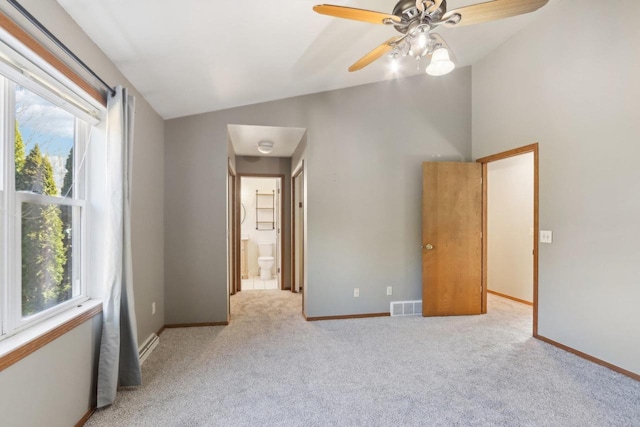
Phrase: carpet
[270,367]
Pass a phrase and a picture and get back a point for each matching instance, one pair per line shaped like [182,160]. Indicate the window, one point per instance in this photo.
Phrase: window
[43,199]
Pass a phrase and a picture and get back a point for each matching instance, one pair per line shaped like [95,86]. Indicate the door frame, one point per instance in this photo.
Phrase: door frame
[295,175]
[281,215]
[532,148]
[233,229]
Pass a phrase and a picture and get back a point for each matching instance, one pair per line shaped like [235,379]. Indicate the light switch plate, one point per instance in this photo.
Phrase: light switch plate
[546,236]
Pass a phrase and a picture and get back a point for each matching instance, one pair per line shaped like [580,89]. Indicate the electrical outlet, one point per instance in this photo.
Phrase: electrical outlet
[546,236]
[356,292]
[153,308]
[389,290]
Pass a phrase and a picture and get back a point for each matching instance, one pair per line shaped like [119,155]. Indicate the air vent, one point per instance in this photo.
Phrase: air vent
[406,308]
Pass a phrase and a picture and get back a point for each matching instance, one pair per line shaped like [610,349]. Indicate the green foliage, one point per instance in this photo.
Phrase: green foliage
[44,252]
[43,258]
[19,154]
[68,177]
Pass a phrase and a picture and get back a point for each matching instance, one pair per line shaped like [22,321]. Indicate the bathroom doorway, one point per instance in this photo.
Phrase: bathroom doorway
[261,237]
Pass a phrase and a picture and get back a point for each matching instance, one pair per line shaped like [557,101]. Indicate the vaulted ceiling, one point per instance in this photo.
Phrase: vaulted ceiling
[193,56]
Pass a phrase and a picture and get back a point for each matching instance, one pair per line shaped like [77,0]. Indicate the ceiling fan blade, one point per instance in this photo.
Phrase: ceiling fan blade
[373,55]
[356,14]
[492,10]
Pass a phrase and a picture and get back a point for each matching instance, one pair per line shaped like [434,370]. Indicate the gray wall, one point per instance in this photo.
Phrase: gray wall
[278,166]
[571,82]
[64,399]
[365,146]
[53,387]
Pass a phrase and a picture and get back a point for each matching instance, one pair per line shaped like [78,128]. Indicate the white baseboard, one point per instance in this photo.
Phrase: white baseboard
[147,347]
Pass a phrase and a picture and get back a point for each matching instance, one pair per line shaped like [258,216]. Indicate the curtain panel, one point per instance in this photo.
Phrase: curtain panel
[118,363]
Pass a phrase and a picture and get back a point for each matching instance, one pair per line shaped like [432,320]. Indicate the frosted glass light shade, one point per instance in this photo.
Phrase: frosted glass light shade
[440,64]
[265,147]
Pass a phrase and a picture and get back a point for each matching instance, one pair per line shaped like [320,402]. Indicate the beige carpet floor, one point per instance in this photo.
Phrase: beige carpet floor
[271,368]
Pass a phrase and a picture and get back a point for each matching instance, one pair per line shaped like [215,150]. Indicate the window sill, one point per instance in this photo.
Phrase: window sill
[19,346]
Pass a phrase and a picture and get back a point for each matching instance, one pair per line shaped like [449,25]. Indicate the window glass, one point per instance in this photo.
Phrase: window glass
[44,143]
[44,169]
[47,258]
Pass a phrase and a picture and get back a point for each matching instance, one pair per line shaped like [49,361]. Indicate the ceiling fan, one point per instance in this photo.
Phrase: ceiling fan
[417,19]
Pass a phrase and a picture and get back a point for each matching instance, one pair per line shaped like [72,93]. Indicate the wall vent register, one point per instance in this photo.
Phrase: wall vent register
[406,308]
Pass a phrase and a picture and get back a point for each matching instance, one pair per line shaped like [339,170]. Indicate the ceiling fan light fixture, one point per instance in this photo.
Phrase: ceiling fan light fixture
[265,147]
[422,39]
[440,64]
[415,19]
[394,65]
[419,45]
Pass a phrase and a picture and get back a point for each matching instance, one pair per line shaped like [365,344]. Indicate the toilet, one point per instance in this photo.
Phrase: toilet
[265,259]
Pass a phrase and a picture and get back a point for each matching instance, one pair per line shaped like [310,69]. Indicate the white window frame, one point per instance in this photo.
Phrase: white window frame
[11,320]
[6,219]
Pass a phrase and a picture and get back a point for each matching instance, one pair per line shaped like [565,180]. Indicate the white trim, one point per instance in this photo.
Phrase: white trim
[44,199]
[36,84]
[24,59]
[10,220]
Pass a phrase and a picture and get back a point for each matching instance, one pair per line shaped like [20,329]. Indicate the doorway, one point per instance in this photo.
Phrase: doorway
[260,232]
[511,226]
[455,250]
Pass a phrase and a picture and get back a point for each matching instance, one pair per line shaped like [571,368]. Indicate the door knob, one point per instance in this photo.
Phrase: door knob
[428,246]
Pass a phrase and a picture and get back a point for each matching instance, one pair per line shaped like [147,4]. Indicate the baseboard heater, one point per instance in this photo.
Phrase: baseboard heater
[147,347]
[406,308]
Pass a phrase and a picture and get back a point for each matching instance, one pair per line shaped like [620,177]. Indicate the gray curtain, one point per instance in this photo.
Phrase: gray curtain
[119,364]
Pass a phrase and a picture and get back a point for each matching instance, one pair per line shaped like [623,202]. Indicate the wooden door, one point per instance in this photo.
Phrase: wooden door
[451,239]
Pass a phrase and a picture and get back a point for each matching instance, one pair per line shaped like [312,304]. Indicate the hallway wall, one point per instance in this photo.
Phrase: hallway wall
[365,147]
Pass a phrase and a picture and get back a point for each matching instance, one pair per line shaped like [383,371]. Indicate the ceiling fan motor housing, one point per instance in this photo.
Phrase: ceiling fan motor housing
[407,11]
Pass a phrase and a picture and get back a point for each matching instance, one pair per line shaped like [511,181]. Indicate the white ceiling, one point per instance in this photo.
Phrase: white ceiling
[245,139]
[193,56]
